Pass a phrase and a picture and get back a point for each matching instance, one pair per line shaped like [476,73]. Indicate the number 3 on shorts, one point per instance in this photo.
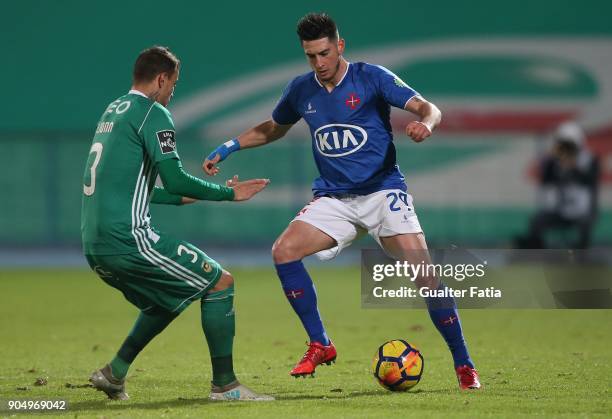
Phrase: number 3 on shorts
[184,249]
[394,198]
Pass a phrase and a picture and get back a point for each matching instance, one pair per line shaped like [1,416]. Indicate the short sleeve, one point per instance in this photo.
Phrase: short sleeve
[159,134]
[284,113]
[393,89]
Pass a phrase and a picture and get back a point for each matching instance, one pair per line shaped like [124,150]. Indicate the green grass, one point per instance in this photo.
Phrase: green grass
[63,324]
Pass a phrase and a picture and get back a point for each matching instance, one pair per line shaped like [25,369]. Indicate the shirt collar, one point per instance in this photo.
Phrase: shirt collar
[137,92]
[341,80]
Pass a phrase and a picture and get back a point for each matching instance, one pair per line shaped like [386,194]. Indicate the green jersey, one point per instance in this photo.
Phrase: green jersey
[132,136]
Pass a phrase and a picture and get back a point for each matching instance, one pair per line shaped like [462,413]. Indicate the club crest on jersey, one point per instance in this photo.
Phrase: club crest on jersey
[352,101]
[337,140]
[166,141]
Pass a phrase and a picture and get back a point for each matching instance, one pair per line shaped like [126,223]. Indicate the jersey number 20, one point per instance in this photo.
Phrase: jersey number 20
[394,198]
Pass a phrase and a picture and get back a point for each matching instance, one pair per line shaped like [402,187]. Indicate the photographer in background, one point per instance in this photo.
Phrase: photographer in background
[568,195]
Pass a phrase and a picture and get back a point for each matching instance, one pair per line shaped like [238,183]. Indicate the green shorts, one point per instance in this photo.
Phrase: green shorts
[169,275]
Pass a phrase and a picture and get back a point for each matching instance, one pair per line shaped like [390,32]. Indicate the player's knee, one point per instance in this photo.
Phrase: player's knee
[284,251]
[226,281]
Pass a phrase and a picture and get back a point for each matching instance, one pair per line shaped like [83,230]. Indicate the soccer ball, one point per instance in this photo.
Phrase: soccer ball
[397,366]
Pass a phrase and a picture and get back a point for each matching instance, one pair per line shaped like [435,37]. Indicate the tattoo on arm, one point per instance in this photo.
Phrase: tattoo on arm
[428,112]
[415,105]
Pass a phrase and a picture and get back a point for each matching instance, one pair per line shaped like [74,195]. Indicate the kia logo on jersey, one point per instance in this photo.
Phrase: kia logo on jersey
[337,140]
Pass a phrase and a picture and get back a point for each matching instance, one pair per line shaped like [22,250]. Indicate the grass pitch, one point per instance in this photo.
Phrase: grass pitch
[59,325]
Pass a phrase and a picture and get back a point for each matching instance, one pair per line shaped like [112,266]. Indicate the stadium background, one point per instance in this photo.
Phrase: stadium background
[503,78]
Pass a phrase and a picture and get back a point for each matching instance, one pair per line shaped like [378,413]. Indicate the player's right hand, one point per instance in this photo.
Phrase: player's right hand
[210,166]
[247,189]
[418,131]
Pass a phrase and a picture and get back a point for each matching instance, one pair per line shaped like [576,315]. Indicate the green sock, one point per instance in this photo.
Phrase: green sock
[219,325]
[119,367]
[147,326]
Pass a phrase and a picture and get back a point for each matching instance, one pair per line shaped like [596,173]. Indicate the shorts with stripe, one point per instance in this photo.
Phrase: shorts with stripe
[169,274]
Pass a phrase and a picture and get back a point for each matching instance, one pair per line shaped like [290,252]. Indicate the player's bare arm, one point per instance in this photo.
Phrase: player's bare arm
[264,133]
[429,114]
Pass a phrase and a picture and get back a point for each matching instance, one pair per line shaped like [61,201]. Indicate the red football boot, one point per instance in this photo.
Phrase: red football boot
[316,354]
[468,378]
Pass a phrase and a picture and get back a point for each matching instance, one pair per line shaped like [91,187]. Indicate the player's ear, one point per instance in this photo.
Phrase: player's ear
[164,78]
[159,80]
[341,46]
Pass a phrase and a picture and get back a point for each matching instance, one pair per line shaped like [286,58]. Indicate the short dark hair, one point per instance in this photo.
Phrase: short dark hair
[316,26]
[153,61]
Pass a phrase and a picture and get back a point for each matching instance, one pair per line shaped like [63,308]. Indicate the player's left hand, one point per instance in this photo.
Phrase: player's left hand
[247,189]
[230,183]
[418,131]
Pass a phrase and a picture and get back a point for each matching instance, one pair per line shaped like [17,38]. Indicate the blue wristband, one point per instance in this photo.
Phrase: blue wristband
[225,149]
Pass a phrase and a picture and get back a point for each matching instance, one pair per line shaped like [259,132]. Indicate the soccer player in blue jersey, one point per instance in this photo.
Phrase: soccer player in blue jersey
[360,187]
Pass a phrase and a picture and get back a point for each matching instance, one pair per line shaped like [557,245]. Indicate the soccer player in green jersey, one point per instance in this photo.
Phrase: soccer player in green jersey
[134,142]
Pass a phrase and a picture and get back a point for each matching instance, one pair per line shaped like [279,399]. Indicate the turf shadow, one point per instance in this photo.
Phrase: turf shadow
[101,405]
[109,405]
[352,394]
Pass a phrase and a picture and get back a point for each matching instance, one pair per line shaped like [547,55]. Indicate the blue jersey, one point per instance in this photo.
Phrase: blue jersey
[352,142]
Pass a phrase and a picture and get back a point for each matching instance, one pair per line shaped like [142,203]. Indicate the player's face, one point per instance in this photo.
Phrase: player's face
[324,56]
[166,85]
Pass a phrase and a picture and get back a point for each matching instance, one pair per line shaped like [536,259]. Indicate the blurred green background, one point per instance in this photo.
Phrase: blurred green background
[504,74]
